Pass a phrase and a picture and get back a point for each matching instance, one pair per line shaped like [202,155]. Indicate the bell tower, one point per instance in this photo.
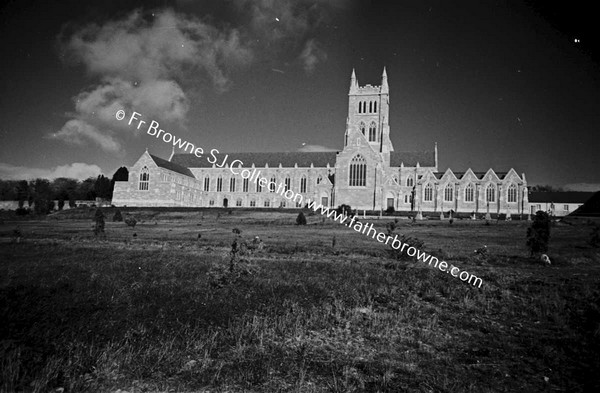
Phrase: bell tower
[368,113]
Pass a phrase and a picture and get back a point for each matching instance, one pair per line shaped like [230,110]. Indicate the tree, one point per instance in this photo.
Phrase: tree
[85,190]
[300,220]
[117,217]
[64,189]
[99,220]
[23,192]
[121,174]
[42,196]
[538,234]
[102,187]
[8,190]
[545,188]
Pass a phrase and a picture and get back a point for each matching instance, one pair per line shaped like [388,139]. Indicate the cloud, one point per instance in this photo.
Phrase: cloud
[141,62]
[315,148]
[311,55]
[76,170]
[78,132]
[583,187]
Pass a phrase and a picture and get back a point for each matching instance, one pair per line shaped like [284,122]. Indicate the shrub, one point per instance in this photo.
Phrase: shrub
[390,210]
[61,204]
[391,226]
[301,219]
[130,221]
[237,231]
[411,241]
[595,237]
[117,217]
[99,220]
[22,211]
[345,210]
[538,234]
[221,276]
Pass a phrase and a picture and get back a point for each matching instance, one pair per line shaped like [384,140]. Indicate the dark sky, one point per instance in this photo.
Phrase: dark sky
[496,84]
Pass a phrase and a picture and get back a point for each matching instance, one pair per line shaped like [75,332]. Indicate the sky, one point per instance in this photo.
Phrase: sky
[497,84]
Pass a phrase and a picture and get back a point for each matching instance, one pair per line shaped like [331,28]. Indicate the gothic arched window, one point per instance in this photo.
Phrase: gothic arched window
[358,172]
[449,193]
[371,107]
[490,193]
[207,183]
[410,181]
[274,185]
[372,132]
[375,107]
[288,183]
[512,193]
[144,179]
[232,184]
[219,184]
[303,184]
[428,193]
[362,127]
[469,193]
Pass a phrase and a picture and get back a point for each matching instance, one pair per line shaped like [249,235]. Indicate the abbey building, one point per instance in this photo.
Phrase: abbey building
[366,174]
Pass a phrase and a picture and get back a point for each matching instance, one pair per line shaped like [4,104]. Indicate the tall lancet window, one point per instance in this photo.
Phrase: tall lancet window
[358,172]
[362,127]
[490,193]
[428,193]
[144,179]
[449,193]
[469,193]
[373,132]
[512,193]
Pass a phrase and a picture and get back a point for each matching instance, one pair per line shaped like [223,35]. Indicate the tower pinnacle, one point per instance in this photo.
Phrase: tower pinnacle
[384,82]
[353,83]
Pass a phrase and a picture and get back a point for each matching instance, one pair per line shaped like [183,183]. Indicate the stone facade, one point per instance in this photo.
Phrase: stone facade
[368,174]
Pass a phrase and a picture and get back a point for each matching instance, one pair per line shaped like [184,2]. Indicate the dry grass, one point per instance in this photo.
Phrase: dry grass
[139,313]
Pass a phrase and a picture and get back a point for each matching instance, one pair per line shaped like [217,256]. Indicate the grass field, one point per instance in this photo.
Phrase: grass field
[138,311]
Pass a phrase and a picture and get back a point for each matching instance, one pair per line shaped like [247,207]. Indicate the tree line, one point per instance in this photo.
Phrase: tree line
[41,193]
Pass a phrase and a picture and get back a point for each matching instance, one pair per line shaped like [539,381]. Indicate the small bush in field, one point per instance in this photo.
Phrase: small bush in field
[17,235]
[538,234]
[221,276]
[411,241]
[595,237]
[21,211]
[117,217]
[99,222]
[130,221]
[237,231]
[301,219]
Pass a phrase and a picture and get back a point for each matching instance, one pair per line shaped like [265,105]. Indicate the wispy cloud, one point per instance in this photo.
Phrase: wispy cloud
[582,187]
[140,62]
[76,170]
[311,55]
[315,148]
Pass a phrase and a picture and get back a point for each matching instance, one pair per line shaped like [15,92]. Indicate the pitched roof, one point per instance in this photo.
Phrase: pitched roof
[478,175]
[560,196]
[303,159]
[172,166]
[286,159]
[591,207]
[410,158]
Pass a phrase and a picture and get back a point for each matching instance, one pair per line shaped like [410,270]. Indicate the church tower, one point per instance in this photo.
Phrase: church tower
[368,113]
[362,165]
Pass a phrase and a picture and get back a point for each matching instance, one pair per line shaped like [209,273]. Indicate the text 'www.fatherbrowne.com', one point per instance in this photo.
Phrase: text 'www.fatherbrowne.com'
[237,168]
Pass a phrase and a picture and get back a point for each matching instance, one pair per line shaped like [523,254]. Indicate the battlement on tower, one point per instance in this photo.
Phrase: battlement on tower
[368,89]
